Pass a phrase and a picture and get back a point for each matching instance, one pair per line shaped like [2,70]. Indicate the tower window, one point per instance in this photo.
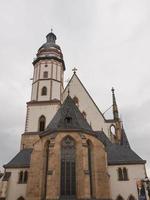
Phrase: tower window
[44,91]
[42,122]
[46,65]
[45,74]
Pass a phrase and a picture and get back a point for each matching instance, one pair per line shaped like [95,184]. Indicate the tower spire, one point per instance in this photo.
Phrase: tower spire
[115,107]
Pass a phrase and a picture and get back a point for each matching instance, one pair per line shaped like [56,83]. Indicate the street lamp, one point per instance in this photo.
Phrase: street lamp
[147,185]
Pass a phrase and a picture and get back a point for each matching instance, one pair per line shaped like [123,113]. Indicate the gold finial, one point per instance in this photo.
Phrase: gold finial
[51,30]
[74,70]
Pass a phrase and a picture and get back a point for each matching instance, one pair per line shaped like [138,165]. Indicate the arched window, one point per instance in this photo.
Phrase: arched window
[20,198]
[25,176]
[89,145]
[113,129]
[20,177]
[45,74]
[68,172]
[76,100]
[125,174]
[42,122]
[119,197]
[120,174]
[131,197]
[44,91]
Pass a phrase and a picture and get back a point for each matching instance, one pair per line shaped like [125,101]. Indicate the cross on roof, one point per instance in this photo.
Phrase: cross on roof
[74,70]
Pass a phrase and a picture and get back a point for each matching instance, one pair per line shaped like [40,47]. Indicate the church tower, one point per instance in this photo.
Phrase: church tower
[47,85]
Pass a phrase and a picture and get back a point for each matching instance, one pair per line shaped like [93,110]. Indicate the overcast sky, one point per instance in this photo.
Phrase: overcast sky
[107,40]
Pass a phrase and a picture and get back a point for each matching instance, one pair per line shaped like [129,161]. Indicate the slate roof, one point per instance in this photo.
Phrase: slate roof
[21,160]
[6,176]
[68,117]
[124,139]
[118,154]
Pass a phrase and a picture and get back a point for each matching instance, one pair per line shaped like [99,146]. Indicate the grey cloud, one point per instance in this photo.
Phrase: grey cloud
[108,41]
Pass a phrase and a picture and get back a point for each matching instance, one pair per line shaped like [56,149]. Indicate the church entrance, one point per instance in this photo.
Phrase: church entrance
[68,171]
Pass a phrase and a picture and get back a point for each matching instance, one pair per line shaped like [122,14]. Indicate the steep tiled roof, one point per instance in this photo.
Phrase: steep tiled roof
[21,160]
[69,117]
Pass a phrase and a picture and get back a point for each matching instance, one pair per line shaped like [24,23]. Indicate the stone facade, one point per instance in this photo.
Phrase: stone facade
[101,185]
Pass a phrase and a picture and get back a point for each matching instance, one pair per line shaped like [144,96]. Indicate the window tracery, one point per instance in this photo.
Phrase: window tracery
[68,174]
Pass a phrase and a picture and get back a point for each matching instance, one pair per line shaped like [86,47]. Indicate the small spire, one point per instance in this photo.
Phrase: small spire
[115,108]
[74,70]
[51,37]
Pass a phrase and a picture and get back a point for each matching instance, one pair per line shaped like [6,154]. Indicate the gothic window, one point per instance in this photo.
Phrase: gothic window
[76,101]
[42,122]
[68,172]
[90,165]
[20,198]
[131,197]
[120,174]
[20,177]
[125,174]
[25,176]
[44,91]
[119,198]
[45,74]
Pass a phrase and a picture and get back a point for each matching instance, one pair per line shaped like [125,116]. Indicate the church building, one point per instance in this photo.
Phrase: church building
[69,150]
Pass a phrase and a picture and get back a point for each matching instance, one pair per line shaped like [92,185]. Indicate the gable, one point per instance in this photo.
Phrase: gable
[86,104]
